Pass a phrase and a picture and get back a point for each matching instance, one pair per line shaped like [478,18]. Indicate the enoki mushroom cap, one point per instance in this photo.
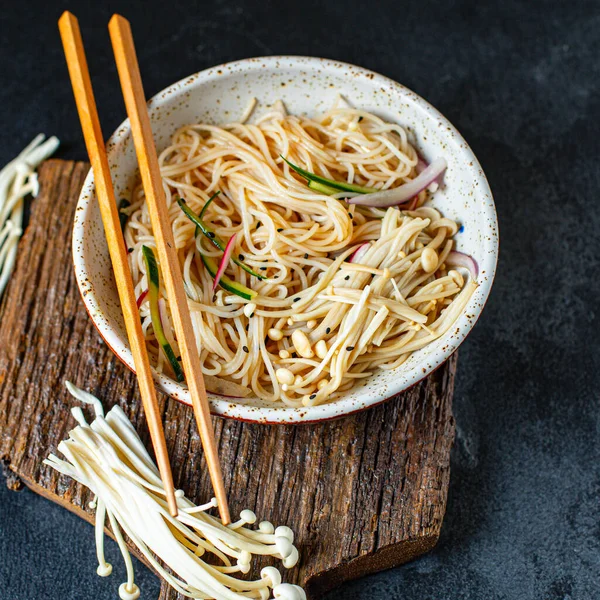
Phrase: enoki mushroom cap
[244,561]
[248,516]
[284,546]
[104,570]
[129,594]
[266,527]
[286,532]
[291,560]
[271,575]
[288,591]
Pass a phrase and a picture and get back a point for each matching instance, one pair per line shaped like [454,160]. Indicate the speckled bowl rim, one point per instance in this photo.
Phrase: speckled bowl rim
[285,415]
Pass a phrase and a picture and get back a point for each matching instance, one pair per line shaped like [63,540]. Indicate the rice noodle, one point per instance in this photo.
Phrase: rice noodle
[299,239]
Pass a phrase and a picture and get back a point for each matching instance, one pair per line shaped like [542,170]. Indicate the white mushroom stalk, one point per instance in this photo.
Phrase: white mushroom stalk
[108,457]
[18,179]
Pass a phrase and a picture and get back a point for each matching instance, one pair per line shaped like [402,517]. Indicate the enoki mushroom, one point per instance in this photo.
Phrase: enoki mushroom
[17,180]
[108,457]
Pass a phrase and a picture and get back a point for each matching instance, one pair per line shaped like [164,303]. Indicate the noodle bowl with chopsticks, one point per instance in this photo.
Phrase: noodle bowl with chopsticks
[324,292]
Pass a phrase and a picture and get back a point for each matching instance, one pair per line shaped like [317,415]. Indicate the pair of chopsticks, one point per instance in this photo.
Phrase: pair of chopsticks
[135,102]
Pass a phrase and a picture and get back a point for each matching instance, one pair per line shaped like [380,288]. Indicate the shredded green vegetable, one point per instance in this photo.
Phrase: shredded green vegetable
[211,234]
[322,189]
[208,203]
[331,184]
[228,284]
[159,333]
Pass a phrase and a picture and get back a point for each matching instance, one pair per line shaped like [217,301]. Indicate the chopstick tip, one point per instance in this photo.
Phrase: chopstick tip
[67,16]
[117,20]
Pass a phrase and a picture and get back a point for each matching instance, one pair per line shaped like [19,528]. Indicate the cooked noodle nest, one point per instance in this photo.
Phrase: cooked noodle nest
[319,323]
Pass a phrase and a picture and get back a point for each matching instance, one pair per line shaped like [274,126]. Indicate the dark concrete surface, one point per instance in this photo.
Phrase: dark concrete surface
[521,81]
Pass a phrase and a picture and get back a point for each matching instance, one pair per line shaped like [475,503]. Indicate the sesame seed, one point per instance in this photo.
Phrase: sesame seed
[328,330]
[280,230]
[306,255]
[245,349]
[179,358]
[347,277]
[296,299]
[258,225]
[312,396]
[210,234]
[241,256]
[349,348]
[130,250]
[263,268]
[360,118]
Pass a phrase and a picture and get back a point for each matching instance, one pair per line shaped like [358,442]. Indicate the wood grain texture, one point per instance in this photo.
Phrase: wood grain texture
[363,493]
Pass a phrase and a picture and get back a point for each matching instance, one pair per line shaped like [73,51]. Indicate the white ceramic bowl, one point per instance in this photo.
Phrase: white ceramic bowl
[307,86]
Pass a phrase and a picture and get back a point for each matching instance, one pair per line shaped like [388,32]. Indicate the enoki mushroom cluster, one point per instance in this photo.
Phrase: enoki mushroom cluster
[108,457]
[18,179]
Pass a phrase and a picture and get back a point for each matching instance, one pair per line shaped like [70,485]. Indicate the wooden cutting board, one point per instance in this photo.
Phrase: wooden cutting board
[362,493]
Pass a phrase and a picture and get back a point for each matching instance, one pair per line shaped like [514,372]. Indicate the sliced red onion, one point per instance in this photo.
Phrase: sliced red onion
[224,261]
[405,192]
[359,253]
[460,259]
[141,299]
[422,164]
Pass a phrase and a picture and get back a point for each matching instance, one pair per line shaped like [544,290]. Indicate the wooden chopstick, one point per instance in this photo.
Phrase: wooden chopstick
[92,133]
[135,102]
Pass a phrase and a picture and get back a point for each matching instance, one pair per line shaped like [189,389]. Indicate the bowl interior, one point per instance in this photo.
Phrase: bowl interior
[306,86]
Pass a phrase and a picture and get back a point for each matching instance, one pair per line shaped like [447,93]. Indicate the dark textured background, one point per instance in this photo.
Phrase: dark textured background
[521,81]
